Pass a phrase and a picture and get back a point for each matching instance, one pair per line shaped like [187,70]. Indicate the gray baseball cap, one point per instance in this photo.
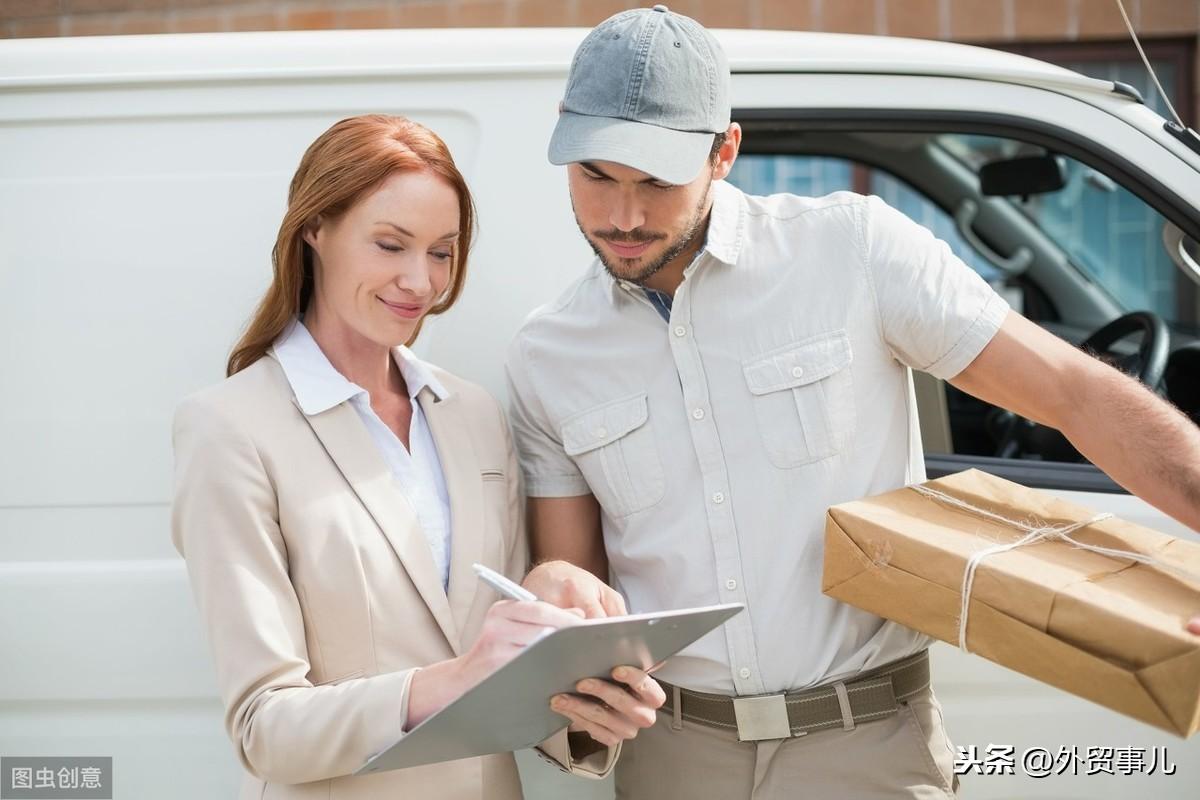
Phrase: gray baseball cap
[648,88]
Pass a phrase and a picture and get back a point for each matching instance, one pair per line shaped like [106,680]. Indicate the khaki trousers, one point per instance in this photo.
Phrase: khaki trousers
[905,755]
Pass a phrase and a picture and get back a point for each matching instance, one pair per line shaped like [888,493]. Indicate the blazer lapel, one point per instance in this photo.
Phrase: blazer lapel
[349,444]
[460,466]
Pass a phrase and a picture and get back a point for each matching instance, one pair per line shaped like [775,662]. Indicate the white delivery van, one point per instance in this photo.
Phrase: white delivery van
[142,180]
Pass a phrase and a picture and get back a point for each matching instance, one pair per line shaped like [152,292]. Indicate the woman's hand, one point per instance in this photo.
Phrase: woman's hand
[618,710]
[509,627]
[568,586]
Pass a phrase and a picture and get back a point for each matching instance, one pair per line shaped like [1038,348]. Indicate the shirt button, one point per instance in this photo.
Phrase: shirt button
[601,433]
[698,413]
[731,584]
[797,372]
[680,330]
[718,498]
[744,672]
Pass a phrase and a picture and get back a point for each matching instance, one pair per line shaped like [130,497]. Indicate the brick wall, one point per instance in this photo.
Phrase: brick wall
[963,20]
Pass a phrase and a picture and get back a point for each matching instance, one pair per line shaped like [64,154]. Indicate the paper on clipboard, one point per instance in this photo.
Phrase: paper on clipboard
[510,709]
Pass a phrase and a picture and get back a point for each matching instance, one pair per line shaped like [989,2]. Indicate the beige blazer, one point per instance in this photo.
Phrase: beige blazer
[317,589]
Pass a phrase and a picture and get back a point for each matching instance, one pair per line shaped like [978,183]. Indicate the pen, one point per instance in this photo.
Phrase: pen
[502,584]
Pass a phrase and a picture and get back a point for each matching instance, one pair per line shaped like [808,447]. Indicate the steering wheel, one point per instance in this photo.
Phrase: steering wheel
[1148,363]
[1016,435]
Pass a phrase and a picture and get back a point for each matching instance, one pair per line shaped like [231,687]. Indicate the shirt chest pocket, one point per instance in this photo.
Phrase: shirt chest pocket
[803,398]
[613,444]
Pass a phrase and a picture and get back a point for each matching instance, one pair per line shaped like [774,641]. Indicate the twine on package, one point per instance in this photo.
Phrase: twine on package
[1034,533]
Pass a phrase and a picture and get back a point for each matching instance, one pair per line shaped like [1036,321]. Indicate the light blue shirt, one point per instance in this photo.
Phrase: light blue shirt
[318,387]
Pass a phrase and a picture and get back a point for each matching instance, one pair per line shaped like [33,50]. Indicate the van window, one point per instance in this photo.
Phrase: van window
[1105,230]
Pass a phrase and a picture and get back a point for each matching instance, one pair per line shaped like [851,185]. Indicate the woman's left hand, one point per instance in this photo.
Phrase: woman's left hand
[612,711]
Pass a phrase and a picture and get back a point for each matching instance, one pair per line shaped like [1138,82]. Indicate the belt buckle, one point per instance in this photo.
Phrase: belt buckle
[762,717]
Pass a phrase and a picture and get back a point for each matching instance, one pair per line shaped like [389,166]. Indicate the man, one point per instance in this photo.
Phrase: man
[727,369]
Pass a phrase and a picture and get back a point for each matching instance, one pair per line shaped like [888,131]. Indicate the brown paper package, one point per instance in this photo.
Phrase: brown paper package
[1108,629]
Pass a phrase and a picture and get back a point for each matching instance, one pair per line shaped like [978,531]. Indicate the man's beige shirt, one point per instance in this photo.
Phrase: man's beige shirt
[715,441]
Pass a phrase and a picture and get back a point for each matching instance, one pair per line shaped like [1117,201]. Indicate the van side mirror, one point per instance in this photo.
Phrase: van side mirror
[1022,176]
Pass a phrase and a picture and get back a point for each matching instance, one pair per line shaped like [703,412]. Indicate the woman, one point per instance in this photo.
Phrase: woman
[333,492]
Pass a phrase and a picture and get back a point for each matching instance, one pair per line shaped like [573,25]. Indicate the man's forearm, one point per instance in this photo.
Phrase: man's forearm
[1141,441]
[567,529]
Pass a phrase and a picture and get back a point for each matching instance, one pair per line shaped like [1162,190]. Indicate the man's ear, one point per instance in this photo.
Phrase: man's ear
[728,152]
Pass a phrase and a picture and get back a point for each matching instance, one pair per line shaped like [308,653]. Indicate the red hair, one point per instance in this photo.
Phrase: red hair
[344,164]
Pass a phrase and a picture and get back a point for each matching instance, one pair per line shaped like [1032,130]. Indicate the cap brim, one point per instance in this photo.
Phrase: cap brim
[669,155]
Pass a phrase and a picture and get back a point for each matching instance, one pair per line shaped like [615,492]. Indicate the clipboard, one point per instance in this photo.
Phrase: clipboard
[510,709]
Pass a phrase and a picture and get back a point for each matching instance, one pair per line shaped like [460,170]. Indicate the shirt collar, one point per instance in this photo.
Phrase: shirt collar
[318,386]
[723,238]
[727,223]
[417,374]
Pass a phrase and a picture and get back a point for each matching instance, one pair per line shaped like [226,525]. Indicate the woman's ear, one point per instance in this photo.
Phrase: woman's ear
[309,232]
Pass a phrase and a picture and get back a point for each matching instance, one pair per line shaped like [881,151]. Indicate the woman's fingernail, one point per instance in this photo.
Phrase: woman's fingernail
[558,702]
[621,672]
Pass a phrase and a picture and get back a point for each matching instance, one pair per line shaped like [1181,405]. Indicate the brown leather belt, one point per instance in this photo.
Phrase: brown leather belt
[871,695]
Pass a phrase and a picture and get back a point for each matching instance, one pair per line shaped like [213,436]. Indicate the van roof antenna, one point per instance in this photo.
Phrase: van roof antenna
[1174,126]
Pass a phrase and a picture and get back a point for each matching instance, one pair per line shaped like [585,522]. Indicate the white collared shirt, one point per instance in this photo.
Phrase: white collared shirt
[318,386]
[778,385]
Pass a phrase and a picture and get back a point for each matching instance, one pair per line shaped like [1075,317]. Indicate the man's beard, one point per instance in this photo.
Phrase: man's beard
[677,246]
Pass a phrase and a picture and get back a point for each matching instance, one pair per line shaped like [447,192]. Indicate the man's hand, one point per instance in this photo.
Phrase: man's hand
[618,710]
[567,586]
[1194,625]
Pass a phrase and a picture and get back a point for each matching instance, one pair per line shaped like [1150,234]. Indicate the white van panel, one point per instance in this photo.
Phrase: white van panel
[146,242]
